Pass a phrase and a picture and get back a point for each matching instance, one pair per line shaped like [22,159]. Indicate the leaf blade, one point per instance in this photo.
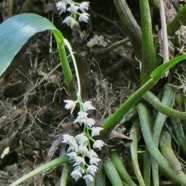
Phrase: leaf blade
[16,31]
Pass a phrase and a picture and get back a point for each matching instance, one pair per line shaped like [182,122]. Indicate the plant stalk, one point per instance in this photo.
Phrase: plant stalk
[52,164]
[148,49]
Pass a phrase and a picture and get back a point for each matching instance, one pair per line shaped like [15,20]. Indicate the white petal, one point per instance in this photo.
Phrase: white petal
[94,161]
[70,21]
[91,169]
[82,117]
[96,131]
[88,106]
[70,105]
[84,17]
[84,6]
[90,122]
[98,144]
[82,139]
[67,138]
[82,149]
[73,9]
[91,153]
[79,161]
[61,6]
[88,178]
[76,174]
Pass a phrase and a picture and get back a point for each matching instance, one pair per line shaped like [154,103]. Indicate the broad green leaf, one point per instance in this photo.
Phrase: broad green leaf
[17,30]
[162,69]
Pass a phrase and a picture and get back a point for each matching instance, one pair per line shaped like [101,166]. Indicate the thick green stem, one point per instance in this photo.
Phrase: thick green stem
[50,165]
[66,69]
[124,108]
[121,169]
[153,150]
[167,100]
[166,149]
[147,168]
[131,114]
[148,49]
[130,26]
[179,132]
[112,173]
[155,102]
[134,135]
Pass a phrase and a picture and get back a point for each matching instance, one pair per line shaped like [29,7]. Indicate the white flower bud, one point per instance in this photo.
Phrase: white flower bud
[96,131]
[88,106]
[88,178]
[98,144]
[70,105]
[82,117]
[70,21]
[61,6]
[82,149]
[84,17]
[94,161]
[79,161]
[84,6]
[91,169]
[90,122]
[68,139]
[91,153]
[76,174]
[73,9]
[82,139]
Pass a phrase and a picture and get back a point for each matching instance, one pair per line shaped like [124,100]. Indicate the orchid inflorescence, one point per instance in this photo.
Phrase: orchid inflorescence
[82,146]
[77,11]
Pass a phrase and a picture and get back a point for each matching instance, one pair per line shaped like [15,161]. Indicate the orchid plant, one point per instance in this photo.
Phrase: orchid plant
[82,149]
[82,146]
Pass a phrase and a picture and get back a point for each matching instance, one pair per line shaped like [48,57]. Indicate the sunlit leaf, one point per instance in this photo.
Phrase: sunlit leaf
[162,69]
[17,30]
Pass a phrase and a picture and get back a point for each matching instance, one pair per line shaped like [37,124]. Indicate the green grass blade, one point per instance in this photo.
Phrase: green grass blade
[130,25]
[153,150]
[162,69]
[134,136]
[179,133]
[155,102]
[52,164]
[148,49]
[112,173]
[121,169]
[167,151]
[167,100]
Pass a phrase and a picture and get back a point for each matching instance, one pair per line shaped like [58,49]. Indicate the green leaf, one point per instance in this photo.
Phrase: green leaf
[17,30]
[162,69]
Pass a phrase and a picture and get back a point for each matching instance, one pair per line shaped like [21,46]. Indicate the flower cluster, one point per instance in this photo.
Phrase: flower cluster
[75,9]
[81,148]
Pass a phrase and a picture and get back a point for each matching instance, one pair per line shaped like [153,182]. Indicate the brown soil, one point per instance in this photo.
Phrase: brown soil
[32,90]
